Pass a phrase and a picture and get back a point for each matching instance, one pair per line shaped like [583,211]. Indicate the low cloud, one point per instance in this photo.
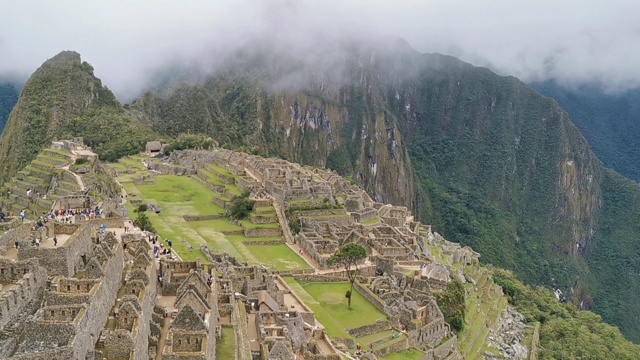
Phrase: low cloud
[127,42]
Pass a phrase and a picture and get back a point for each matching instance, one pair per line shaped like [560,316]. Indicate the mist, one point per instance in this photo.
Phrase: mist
[128,42]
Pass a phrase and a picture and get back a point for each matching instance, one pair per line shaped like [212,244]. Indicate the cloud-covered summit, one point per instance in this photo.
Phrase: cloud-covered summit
[127,41]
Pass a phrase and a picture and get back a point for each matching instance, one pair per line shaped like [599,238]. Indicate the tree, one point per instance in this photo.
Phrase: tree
[143,222]
[452,304]
[241,206]
[348,256]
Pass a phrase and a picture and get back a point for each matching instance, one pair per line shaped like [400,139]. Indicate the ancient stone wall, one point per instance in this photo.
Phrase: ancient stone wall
[142,333]
[365,330]
[20,233]
[310,222]
[170,169]
[108,222]
[399,346]
[256,219]
[119,344]
[27,280]
[64,260]
[262,232]
[373,298]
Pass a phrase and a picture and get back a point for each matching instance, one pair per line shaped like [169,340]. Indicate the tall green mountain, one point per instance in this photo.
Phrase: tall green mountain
[8,99]
[485,159]
[60,100]
[609,121]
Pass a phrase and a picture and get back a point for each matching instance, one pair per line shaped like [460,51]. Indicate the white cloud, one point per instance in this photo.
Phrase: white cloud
[571,41]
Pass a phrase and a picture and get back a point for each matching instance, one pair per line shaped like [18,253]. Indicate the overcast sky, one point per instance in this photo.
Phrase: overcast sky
[573,41]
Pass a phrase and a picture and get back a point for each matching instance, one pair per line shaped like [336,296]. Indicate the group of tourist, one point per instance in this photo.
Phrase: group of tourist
[160,249]
[67,216]
[359,348]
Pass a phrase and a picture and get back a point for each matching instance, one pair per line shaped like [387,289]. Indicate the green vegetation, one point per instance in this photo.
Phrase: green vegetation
[143,222]
[452,304]
[241,206]
[190,141]
[226,346]
[565,333]
[349,256]
[608,120]
[327,301]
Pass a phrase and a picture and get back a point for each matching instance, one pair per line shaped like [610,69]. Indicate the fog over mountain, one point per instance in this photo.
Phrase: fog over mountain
[572,41]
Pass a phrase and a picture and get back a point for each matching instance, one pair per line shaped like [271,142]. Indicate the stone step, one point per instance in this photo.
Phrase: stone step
[55,161]
[44,166]
[63,155]
[39,173]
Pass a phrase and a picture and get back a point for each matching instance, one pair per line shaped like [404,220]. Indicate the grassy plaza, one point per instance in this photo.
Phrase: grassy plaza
[328,302]
[178,196]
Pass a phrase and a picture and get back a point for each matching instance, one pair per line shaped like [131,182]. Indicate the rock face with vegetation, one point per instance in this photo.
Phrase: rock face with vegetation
[609,120]
[485,159]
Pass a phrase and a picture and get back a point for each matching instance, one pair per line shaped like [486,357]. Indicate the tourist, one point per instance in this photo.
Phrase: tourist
[169,243]
[371,347]
[358,348]
[37,242]
[55,241]
[16,244]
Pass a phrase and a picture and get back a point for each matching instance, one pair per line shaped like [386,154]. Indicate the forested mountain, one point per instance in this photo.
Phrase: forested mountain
[8,98]
[609,121]
[485,159]
[60,100]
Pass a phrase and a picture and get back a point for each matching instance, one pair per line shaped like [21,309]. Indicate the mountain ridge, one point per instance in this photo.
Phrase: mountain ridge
[403,123]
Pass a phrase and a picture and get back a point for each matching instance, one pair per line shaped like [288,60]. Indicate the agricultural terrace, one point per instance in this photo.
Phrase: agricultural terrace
[179,196]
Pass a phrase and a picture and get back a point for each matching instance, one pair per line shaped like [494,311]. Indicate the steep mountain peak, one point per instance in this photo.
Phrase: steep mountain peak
[64,57]
[60,89]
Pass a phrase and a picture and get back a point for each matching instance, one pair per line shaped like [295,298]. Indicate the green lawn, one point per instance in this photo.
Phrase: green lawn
[410,354]
[226,346]
[181,195]
[330,306]
[281,256]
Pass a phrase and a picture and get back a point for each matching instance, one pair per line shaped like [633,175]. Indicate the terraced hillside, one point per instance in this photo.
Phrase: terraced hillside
[41,183]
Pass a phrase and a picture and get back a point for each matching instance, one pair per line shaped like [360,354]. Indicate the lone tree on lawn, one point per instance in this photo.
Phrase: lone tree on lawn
[348,256]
